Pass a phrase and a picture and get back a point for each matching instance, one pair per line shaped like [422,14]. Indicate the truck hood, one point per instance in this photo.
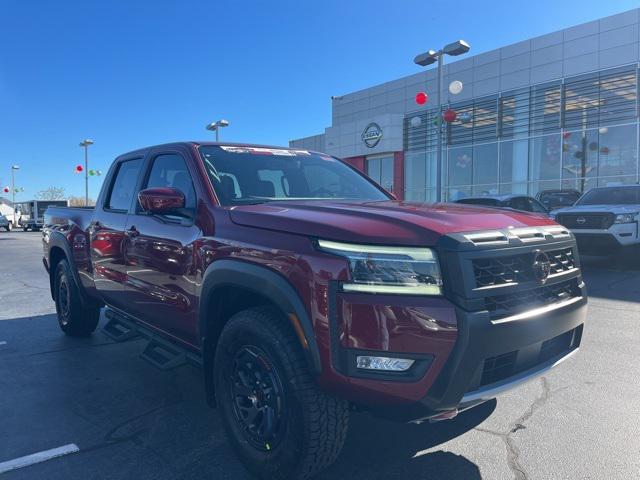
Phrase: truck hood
[386,222]
[617,209]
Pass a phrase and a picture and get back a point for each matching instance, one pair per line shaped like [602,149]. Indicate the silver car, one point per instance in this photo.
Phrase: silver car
[5,223]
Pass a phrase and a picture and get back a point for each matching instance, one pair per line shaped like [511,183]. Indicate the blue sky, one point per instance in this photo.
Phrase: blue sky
[130,73]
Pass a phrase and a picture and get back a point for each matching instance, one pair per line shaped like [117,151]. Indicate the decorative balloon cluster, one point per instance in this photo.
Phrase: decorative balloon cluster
[449,115]
[592,146]
[92,173]
[16,190]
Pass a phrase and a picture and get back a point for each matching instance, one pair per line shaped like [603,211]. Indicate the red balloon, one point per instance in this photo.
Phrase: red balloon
[421,98]
[6,189]
[79,168]
[449,115]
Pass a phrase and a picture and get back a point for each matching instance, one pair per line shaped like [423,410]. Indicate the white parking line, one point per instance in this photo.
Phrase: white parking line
[37,457]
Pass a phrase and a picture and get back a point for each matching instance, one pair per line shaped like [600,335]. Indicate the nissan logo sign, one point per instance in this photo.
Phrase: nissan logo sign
[541,266]
[372,135]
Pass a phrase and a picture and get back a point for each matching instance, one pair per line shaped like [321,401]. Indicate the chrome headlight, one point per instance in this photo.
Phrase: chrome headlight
[626,218]
[378,269]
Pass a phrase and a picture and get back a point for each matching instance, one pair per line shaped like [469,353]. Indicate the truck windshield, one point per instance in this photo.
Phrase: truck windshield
[558,199]
[611,196]
[245,175]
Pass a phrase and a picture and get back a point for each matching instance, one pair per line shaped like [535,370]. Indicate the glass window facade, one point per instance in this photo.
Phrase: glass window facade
[380,169]
[578,132]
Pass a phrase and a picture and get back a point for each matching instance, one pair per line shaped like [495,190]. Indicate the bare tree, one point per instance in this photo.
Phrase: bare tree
[51,193]
[79,201]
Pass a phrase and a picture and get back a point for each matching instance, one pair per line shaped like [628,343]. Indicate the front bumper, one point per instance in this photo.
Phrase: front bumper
[494,356]
[606,242]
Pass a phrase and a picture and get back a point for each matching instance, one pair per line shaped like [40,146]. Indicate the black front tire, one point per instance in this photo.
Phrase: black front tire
[75,318]
[306,428]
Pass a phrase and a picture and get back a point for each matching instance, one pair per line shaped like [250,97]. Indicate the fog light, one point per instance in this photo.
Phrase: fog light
[384,363]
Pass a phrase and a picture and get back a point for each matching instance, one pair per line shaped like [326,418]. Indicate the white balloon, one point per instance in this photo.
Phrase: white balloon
[455,87]
[416,121]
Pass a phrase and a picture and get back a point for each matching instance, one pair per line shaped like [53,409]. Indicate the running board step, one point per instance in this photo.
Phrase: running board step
[163,356]
[159,351]
[118,329]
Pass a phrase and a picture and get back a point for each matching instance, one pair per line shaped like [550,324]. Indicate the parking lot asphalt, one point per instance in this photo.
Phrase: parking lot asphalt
[131,420]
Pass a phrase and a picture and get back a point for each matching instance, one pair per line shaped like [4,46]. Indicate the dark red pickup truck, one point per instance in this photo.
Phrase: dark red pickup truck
[306,290]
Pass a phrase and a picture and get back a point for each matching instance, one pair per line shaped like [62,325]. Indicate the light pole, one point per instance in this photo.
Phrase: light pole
[454,49]
[13,190]
[216,126]
[85,143]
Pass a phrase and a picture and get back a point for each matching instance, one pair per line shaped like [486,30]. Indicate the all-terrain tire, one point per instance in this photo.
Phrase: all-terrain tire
[312,426]
[75,318]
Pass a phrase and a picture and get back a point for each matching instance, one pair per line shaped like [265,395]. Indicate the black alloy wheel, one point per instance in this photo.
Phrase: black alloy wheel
[257,398]
[76,317]
[281,425]
[64,301]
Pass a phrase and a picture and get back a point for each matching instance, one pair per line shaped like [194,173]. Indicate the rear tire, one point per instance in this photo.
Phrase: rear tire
[279,422]
[74,317]
[25,228]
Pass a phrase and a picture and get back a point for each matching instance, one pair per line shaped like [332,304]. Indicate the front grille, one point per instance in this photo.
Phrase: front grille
[555,346]
[518,268]
[501,367]
[579,221]
[562,260]
[498,368]
[500,306]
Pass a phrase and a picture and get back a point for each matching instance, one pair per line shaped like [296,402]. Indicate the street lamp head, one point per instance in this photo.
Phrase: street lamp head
[15,167]
[456,48]
[86,142]
[426,58]
[216,125]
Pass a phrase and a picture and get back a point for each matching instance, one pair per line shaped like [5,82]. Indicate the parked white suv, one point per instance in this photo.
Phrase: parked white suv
[604,219]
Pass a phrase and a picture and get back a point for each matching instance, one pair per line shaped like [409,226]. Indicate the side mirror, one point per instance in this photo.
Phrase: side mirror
[161,200]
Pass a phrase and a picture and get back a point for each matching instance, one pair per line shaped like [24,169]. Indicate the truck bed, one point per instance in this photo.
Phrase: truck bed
[80,216]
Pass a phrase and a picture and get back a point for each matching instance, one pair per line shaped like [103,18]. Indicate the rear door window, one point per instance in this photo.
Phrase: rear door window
[124,185]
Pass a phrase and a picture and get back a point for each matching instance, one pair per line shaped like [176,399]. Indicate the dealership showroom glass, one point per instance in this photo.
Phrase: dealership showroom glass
[555,111]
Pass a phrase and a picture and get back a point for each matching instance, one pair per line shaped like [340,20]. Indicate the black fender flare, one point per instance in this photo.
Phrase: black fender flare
[263,281]
[57,239]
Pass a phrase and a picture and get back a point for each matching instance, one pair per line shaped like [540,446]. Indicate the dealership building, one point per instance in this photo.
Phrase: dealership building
[555,111]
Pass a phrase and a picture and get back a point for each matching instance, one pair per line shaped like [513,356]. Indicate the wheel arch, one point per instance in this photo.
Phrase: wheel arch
[59,250]
[223,276]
